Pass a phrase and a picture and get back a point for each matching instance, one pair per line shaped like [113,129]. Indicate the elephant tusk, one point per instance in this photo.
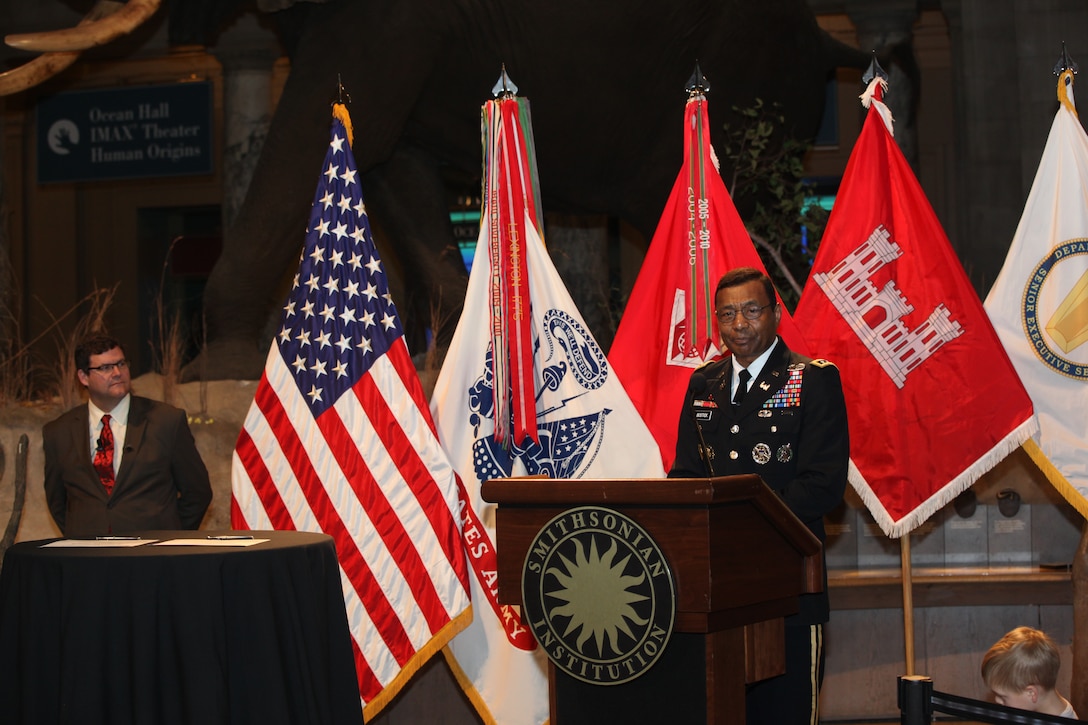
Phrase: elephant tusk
[36,71]
[118,20]
[47,65]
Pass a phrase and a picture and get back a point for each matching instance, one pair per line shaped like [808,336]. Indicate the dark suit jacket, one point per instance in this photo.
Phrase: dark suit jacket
[162,482]
[794,438]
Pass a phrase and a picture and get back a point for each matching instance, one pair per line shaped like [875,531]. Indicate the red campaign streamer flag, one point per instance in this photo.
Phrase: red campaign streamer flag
[932,398]
[340,440]
[668,327]
[510,184]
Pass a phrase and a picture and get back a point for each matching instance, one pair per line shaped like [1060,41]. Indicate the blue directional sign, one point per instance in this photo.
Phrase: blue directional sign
[124,133]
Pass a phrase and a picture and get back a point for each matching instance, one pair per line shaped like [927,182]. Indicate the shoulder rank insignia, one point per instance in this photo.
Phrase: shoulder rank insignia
[821,363]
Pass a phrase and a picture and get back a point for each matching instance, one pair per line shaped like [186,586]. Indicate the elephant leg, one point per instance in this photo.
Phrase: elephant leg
[260,251]
[261,248]
[407,194]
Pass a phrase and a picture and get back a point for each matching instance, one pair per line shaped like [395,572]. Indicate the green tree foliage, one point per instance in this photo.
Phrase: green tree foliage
[775,201]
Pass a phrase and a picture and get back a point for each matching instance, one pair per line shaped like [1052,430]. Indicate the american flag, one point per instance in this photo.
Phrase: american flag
[339,439]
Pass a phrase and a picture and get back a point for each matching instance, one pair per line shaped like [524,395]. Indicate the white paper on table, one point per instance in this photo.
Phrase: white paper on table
[210,542]
[96,543]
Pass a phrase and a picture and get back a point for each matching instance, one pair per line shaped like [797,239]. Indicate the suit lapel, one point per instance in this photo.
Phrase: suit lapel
[134,436]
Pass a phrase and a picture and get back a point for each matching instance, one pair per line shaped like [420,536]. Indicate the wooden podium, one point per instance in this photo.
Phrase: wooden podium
[739,559]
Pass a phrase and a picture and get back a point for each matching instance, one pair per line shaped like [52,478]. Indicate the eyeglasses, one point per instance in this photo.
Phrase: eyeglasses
[108,368]
[751,312]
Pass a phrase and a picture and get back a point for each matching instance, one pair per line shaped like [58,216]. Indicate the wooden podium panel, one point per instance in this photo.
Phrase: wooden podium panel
[739,559]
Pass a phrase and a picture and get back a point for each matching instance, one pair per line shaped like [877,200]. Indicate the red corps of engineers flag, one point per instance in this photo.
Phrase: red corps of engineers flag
[932,398]
[339,439]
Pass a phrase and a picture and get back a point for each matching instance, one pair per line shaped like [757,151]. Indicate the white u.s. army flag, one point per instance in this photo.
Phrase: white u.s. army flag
[1039,303]
[573,420]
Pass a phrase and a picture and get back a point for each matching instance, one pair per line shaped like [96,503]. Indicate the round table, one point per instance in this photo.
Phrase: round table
[177,634]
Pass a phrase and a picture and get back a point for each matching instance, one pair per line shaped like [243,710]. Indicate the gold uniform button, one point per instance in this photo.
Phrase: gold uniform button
[735,429]
[734,455]
[774,428]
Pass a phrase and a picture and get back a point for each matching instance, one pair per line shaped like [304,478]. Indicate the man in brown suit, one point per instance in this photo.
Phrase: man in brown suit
[121,463]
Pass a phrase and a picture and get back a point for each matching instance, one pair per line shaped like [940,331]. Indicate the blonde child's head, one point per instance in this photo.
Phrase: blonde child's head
[1022,659]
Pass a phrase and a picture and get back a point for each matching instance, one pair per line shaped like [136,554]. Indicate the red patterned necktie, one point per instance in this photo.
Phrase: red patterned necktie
[103,455]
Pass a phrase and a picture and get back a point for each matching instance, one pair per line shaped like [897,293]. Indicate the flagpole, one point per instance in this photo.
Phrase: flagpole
[1078,686]
[908,603]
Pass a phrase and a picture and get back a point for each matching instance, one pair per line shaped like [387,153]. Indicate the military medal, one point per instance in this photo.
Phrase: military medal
[761,454]
[785,453]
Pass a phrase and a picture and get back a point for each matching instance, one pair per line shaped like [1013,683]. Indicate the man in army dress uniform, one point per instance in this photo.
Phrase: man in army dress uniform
[766,410]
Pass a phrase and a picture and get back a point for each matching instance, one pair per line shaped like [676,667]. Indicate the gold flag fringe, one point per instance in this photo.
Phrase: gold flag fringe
[1065,94]
[340,111]
[437,643]
[1070,494]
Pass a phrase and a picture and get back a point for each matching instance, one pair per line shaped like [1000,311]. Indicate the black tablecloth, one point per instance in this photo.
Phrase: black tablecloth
[187,635]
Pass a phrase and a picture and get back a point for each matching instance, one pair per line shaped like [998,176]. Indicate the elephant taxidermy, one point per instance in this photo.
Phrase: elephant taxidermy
[607,85]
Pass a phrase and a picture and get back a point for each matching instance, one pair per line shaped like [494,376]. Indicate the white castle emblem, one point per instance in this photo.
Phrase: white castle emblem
[898,350]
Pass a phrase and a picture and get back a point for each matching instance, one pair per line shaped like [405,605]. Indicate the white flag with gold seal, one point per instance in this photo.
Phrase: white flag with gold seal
[1039,303]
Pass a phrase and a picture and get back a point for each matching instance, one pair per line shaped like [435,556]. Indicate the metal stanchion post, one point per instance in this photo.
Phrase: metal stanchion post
[915,700]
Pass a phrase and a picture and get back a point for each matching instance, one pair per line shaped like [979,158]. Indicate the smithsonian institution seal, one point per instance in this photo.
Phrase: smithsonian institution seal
[598,595]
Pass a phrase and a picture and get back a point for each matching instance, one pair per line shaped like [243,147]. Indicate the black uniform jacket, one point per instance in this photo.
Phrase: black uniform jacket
[790,430]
